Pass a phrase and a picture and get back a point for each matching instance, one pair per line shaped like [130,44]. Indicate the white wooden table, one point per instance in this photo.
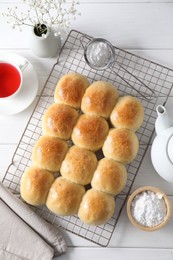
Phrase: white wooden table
[144,28]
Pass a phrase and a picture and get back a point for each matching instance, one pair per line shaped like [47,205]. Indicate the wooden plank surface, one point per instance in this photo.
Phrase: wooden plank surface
[145,28]
[120,254]
[127,25]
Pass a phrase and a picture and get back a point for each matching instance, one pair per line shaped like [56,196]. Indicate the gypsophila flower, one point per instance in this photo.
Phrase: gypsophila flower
[40,14]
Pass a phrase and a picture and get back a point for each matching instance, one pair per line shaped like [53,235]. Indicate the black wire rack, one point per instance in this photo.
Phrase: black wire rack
[158,78]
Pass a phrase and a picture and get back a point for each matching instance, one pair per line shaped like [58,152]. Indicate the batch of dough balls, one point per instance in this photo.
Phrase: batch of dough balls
[94,118]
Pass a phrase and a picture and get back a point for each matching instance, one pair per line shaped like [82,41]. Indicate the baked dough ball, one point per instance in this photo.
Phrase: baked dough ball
[121,145]
[99,99]
[35,185]
[127,113]
[110,176]
[96,207]
[90,132]
[49,152]
[64,197]
[70,89]
[79,165]
[59,121]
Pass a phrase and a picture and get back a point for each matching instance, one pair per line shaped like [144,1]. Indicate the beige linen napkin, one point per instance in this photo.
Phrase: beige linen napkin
[29,221]
[18,241]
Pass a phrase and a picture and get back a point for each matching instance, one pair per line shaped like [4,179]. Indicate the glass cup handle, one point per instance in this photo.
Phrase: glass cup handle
[23,66]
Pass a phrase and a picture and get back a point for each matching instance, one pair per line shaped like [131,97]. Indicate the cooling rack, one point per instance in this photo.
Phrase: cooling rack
[71,59]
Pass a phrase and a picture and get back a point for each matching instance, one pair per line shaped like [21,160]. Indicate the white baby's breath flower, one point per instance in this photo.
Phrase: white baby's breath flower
[56,13]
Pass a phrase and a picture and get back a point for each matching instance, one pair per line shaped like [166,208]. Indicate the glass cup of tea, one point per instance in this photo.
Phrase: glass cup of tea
[11,79]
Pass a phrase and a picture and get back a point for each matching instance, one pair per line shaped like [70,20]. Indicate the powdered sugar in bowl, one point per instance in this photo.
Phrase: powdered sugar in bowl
[148,208]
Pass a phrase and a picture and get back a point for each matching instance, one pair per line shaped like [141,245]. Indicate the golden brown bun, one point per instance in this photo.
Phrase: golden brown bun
[99,99]
[110,176]
[127,113]
[90,132]
[35,185]
[70,89]
[49,152]
[59,121]
[64,197]
[96,207]
[121,145]
[79,165]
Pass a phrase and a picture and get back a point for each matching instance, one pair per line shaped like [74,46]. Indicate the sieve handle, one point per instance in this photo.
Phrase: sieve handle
[138,91]
[81,39]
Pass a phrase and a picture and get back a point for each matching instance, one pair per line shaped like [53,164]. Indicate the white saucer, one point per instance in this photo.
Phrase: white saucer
[28,91]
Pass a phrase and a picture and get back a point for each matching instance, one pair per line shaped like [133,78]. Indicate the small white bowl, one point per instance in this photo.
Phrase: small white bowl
[133,220]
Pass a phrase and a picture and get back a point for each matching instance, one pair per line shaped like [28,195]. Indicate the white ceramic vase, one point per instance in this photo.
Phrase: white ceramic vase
[45,46]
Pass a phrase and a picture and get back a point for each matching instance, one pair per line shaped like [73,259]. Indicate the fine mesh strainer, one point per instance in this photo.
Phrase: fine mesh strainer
[100,54]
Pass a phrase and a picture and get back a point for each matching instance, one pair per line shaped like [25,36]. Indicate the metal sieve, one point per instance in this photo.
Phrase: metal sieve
[100,54]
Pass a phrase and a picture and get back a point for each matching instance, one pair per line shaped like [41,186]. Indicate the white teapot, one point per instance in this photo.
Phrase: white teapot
[162,147]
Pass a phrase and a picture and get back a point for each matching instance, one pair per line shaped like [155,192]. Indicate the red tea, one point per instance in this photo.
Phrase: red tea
[10,79]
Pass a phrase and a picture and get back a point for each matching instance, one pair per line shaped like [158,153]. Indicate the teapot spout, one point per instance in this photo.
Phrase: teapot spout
[163,121]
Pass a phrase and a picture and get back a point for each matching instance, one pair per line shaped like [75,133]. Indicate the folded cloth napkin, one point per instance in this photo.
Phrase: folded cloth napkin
[25,234]
[18,240]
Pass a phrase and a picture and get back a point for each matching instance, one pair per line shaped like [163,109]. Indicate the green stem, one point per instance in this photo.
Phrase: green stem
[36,14]
[40,29]
[19,20]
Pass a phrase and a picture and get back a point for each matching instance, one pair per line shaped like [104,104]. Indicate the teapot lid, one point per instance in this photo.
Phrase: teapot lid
[169,148]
